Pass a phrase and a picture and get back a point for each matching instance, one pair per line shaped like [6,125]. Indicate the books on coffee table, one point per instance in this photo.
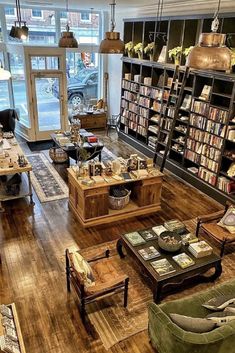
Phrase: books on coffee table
[162,267]
[149,253]
[183,260]
[200,249]
[159,229]
[174,225]
[134,238]
[189,238]
[148,234]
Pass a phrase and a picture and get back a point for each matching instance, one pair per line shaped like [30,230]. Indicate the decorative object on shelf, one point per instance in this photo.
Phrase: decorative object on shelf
[58,155]
[75,127]
[175,54]
[169,241]
[211,52]
[149,49]
[187,51]
[162,56]
[19,30]
[129,47]
[138,49]
[112,44]
[67,39]
[22,161]
[4,74]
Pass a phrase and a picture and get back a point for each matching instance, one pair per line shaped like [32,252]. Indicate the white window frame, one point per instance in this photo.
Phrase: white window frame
[37,17]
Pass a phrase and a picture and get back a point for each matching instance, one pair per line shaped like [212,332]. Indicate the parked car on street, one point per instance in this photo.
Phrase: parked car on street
[81,87]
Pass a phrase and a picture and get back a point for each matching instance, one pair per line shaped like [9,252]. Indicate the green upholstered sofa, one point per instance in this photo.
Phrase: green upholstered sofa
[166,337]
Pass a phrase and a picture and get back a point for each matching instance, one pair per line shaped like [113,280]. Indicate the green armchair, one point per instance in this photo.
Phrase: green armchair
[166,337]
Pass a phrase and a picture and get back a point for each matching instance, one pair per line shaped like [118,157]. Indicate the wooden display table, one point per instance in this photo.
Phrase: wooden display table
[26,187]
[92,121]
[91,204]
[17,327]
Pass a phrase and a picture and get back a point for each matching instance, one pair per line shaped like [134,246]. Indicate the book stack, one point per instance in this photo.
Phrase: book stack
[149,253]
[207,175]
[200,249]
[188,238]
[9,341]
[148,81]
[206,91]
[152,141]
[134,238]
[183,260]
[226,185]
[174,225]
[159,229]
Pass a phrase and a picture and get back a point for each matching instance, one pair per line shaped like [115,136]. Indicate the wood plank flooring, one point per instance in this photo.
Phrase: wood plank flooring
[32,245]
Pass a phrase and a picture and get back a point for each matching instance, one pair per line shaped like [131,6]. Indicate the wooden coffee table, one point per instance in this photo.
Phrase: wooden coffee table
[161,285]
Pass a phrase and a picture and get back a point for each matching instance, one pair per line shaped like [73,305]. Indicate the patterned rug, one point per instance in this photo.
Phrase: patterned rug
[112,321]
[46,181]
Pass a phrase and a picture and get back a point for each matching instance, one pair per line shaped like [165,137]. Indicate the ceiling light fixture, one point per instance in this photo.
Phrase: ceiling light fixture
[211,52]
[19,30]
[67,39]
[112,44]
[4,74]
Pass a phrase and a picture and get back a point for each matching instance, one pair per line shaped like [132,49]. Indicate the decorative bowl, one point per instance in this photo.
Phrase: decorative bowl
[169,241]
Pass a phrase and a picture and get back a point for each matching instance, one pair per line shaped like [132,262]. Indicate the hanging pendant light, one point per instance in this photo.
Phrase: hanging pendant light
[4,74]
[112,44]
[19,30]
[67,39]
[211,52]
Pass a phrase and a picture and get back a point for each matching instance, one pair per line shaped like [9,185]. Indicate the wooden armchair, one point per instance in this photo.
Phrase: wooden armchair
[208,224]
[107,280]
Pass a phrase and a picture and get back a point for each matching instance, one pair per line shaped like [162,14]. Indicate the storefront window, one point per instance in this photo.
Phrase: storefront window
[85,26]
[82,78]
[4,91]
[19,87]
[41,25]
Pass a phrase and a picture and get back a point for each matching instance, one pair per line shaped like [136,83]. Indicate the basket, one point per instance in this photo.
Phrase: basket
[117,203]
[58,155]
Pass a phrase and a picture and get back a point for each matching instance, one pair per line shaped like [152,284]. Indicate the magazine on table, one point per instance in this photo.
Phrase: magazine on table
[159,229]
[148,234]
[134,238]
[189,238]
[149,253]
[162,267]
[183,260]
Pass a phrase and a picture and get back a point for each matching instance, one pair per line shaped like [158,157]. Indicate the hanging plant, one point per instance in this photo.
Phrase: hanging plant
[129,48]
[175,54]
[149,49]
[138,49]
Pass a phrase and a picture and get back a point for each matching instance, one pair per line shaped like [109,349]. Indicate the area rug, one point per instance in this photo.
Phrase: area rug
[112,321]
[46,181]
[40,145]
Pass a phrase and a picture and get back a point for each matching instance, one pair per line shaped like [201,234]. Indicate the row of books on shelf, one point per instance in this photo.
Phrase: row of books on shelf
[209,163]
[142,130]
[152,142]
[143,121]
[226,185]
[215,128]
[144,101]
[206,175]
[130,96]
[154,129]
[144,112]
[156,118]
[146,91]
[198,121]
[192,156]
[166,123]
[131,86]
[213,113]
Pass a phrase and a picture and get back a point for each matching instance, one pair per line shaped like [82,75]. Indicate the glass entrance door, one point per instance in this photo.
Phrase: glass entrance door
[48,104]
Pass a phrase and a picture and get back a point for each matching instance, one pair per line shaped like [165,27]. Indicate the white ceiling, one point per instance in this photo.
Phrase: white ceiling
[132,8]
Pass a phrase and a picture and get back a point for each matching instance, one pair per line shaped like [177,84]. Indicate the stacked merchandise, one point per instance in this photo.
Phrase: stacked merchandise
[200,107]
[156,118]
[154,129]
[152,142]
[213,140]
[146,91]
[197,121]
[209,163]
[144,112]
[143,121]
[9,341]
[144,101]
[218,115]
[156,94]
[207,175]
[131,86]
[226,185]
[130,96]
[200,249]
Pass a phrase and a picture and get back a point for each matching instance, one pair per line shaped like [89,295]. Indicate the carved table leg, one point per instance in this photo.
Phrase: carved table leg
[157,293]
[218,271]
[119,248]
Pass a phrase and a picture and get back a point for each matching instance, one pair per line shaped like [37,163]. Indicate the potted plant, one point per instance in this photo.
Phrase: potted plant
[149,49]
[187,51]
[138,49]
[175,54]
[129,47]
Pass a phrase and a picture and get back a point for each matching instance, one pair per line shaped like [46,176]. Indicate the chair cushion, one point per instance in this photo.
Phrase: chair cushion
[83,268]
[221,318]
[192,324]
[228,220]
[218,232]
[220,302]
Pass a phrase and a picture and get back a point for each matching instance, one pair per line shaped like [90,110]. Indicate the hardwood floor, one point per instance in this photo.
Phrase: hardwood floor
[32,245]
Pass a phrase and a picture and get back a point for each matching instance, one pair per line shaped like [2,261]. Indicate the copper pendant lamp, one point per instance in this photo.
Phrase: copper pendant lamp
[67,39]
[211,52]
[112,44]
